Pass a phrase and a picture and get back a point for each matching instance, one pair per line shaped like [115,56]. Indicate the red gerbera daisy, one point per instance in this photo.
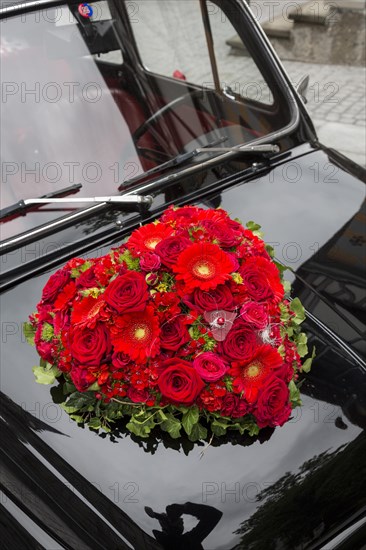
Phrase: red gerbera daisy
[87,312]
[147,237]
[137,334]
[249,376]
[204,266]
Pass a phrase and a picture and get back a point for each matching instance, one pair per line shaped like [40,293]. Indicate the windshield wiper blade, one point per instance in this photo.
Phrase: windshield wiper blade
[22,205]
[176,161]
[246,149]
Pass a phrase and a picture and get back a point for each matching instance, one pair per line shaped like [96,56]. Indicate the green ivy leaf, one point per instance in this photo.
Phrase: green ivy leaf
[172,426]
[218,428]
[307,364]
[46,375]
[79,419]
[95,423]
[299,310]
[94,387]
[287,287]
[198,432]
[294,394]
[78,401]
[190,419]
[141,430]
[254,228]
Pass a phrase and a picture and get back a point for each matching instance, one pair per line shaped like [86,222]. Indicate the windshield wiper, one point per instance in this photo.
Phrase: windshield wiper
[22,205]
[209,148]
[176,161]
[250,150]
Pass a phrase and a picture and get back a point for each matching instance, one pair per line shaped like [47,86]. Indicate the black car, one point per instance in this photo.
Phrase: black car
[138,104]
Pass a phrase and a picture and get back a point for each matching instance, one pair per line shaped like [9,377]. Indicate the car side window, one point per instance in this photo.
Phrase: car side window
[172,42]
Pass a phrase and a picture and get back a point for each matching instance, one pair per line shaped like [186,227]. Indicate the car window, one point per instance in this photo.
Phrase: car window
[172,42]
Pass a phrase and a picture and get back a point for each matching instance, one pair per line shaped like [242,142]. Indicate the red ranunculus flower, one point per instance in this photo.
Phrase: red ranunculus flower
[90,346]
[137,334]
[234,406]
[273,407]
[174,333]
[127,293]
[249,376]
[210,366]
[262,279]
[148,236]
[55,284]
[170,248]
[179,382]
[204,266]
[255,314]
[241,342]
[211,300]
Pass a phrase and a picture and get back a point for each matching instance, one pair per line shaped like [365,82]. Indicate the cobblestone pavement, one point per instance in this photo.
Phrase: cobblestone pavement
[170,40]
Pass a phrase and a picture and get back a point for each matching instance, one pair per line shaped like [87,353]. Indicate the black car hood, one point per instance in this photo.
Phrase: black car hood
[294,487]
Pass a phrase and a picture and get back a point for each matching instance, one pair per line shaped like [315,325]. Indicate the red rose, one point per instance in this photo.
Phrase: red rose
[174,334]
[261,279]
[240,343]
[120,360]
[138,396]
[87,279]
[255,314]
[210,366]
[233,406]
[226,236]
[54,284]
[179,382]
[150,262]
[170,248]
[82,378]
[273,407]
[89,346]
[127,293]
[211,300]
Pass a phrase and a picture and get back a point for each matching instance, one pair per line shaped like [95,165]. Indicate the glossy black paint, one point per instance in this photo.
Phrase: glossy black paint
[119,478]
[294,487]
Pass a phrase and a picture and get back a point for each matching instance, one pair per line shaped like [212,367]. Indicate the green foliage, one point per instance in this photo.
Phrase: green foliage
[131,262]
[308,362]
[190,419]
[29,332]
[172,425]
[77,271]
[299,310]
[47,332]
[294,394]
[46,373]
[254,228]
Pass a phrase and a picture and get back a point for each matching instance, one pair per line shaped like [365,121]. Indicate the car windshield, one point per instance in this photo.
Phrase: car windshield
[96,94]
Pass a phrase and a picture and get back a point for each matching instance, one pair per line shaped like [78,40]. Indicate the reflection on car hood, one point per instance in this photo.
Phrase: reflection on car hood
[293,487]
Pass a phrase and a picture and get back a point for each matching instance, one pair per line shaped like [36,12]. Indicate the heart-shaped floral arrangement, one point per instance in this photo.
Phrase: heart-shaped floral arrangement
[187,325]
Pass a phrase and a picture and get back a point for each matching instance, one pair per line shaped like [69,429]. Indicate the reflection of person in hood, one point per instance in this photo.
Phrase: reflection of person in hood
[171,522]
